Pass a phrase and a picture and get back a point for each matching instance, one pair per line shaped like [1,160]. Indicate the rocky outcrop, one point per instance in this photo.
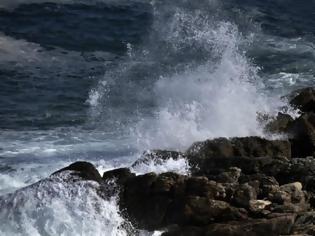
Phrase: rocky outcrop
[199,206]
[240,147]
[239,186]
[83,171]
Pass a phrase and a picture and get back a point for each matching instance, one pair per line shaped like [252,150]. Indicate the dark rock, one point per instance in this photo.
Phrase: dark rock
[185,231]
[212,157]
[279,124]
[83,170]
[302,131]
[240,147]
[154,201]
[289,198]
[212,167]
[158,157]
[272,227]
[195,210]
[144,208]
[280,225]
[304,100]
[243,195]
[304,224]
[297,169]
[120,175]
[229,176]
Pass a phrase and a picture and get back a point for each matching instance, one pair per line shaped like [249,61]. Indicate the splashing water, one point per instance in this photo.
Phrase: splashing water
[204,85]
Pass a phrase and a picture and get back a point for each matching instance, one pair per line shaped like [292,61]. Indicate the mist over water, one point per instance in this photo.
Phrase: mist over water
[103,81]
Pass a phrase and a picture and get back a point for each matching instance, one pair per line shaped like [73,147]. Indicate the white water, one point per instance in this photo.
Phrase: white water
[54,207]
[218,98]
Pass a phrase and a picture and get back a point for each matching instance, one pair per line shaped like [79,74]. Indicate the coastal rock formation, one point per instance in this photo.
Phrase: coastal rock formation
[239,186]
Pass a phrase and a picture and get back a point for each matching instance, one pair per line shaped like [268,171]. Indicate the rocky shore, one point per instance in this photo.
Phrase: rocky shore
[240,186]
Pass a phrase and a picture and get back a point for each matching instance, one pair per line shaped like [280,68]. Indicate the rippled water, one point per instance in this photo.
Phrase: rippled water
[105,80]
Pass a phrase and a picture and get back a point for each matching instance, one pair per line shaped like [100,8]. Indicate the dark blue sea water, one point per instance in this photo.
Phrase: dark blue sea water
[105,80]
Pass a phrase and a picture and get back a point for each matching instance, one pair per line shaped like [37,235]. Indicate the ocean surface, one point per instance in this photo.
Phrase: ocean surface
[105,80]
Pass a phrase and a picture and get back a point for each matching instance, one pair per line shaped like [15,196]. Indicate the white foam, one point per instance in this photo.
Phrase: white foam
[54,207]
[179,166]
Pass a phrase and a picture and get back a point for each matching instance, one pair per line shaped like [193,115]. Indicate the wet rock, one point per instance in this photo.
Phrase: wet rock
[195,210]
[201,186]
[120,175]
[83,170]
[302,131]
[304,100]
[212,167]
[273,227]
[240,147]
[152,201]
[251,154]
[145,199]
[185,231]
[279,124]
[243,195]
[280,225]
[158,157]
[230,176]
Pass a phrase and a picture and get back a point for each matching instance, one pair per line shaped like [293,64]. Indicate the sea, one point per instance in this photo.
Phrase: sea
[106,80]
